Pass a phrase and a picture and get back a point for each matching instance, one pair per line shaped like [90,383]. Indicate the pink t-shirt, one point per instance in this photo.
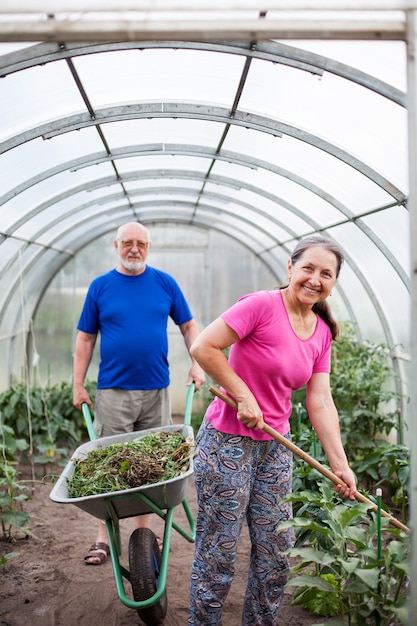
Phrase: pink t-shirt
[271,359]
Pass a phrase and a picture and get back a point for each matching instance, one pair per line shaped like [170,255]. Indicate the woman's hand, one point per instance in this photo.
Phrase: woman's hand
[249,413]
[348,489]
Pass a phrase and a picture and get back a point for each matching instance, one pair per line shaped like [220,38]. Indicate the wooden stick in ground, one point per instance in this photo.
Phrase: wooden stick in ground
[311,460]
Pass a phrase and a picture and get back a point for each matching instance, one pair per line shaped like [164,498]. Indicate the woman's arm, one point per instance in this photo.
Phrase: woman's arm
[207,350]
[325,421]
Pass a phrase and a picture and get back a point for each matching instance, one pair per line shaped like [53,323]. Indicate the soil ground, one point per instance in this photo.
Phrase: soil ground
[49,584]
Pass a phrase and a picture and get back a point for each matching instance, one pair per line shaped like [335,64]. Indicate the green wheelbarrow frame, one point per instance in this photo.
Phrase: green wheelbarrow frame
[113,525]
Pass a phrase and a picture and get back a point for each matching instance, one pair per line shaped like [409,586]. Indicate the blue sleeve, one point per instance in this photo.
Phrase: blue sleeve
[180,311]
[89,321]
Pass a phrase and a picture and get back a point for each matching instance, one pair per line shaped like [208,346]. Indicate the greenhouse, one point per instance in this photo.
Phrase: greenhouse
[231,130]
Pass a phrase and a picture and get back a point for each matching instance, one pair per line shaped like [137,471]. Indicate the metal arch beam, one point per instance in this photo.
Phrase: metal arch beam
[168,149]
[266,48]
[180,174]
[43,53]
[200,151]
[253,163]
[191,209]
[209,153]
[176,149]
[273,51]
[183,191]
[195,219]
[225,182]
[201,112]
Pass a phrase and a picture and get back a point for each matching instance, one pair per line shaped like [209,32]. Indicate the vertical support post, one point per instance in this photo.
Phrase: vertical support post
[412,168]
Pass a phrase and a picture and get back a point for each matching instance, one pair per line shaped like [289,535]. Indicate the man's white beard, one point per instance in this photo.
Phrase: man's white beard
[133,266]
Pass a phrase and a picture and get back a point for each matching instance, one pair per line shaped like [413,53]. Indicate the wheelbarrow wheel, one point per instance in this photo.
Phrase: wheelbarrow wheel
[144,565]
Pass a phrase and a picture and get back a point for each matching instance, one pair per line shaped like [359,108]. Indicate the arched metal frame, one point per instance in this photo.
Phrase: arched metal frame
[270,51]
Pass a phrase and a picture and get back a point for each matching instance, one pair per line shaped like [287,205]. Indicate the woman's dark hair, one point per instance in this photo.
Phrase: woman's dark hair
[321,308]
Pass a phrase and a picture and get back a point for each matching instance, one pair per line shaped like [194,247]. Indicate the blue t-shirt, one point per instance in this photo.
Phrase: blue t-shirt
[131,314]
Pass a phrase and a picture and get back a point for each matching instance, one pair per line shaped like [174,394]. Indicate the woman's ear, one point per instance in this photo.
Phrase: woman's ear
[289,267]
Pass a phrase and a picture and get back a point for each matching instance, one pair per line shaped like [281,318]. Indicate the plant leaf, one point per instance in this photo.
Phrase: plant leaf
[312,555]
[316,582]
[15,518]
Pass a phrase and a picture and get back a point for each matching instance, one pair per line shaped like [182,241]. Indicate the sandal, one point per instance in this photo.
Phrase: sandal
[99,552]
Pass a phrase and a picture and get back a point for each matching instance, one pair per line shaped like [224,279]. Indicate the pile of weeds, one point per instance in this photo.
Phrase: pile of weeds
[153,458]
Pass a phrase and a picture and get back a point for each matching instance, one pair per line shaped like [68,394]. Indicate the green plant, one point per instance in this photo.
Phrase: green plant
[324,602]
[362,385]
[5,558]
[45,418]
[12,495]
[387,466]
[11,491]
[342,568]
[362,388]
[10,446]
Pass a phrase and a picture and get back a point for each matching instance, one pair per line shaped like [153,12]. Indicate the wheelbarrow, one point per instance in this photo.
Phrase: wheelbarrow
[148,566]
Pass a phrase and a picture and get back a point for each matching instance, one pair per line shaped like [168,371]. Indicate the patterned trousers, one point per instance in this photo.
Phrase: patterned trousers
[238,478]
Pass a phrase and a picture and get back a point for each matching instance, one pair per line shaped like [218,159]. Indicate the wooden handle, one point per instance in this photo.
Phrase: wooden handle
[310,460]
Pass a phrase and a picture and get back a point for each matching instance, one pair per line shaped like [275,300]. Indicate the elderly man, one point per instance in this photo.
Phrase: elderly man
[130,306]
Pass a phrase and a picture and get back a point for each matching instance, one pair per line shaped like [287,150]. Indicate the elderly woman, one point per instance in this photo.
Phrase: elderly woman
[280,341]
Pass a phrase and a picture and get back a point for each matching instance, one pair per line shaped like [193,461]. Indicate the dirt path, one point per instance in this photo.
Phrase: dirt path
[48,584]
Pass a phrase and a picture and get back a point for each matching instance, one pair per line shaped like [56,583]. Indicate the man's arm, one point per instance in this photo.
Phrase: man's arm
[84,348]
[196,374]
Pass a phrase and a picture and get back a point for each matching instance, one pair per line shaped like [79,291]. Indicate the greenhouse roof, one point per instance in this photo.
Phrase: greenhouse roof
[266,141]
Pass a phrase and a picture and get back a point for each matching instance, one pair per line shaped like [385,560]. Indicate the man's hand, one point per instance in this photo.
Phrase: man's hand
[80,396]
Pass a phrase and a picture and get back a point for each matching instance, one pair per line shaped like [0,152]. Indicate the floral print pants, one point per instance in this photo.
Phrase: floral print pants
[238,478]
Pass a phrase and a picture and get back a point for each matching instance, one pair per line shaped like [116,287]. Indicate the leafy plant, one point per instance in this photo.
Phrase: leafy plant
[368,406]
[5,558]
[38,422]
[324,602]
[342,567]
[362,385]
[11,491]
[11,496]
[45,418]
[342,572]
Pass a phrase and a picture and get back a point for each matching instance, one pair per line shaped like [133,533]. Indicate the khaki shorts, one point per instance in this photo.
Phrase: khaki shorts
[123,411]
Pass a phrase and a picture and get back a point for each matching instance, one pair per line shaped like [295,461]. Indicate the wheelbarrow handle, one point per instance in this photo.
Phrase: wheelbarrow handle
[189,404]
[88,421]
[310,460]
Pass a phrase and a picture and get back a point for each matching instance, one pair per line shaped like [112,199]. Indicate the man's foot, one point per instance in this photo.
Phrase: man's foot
[97,554]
